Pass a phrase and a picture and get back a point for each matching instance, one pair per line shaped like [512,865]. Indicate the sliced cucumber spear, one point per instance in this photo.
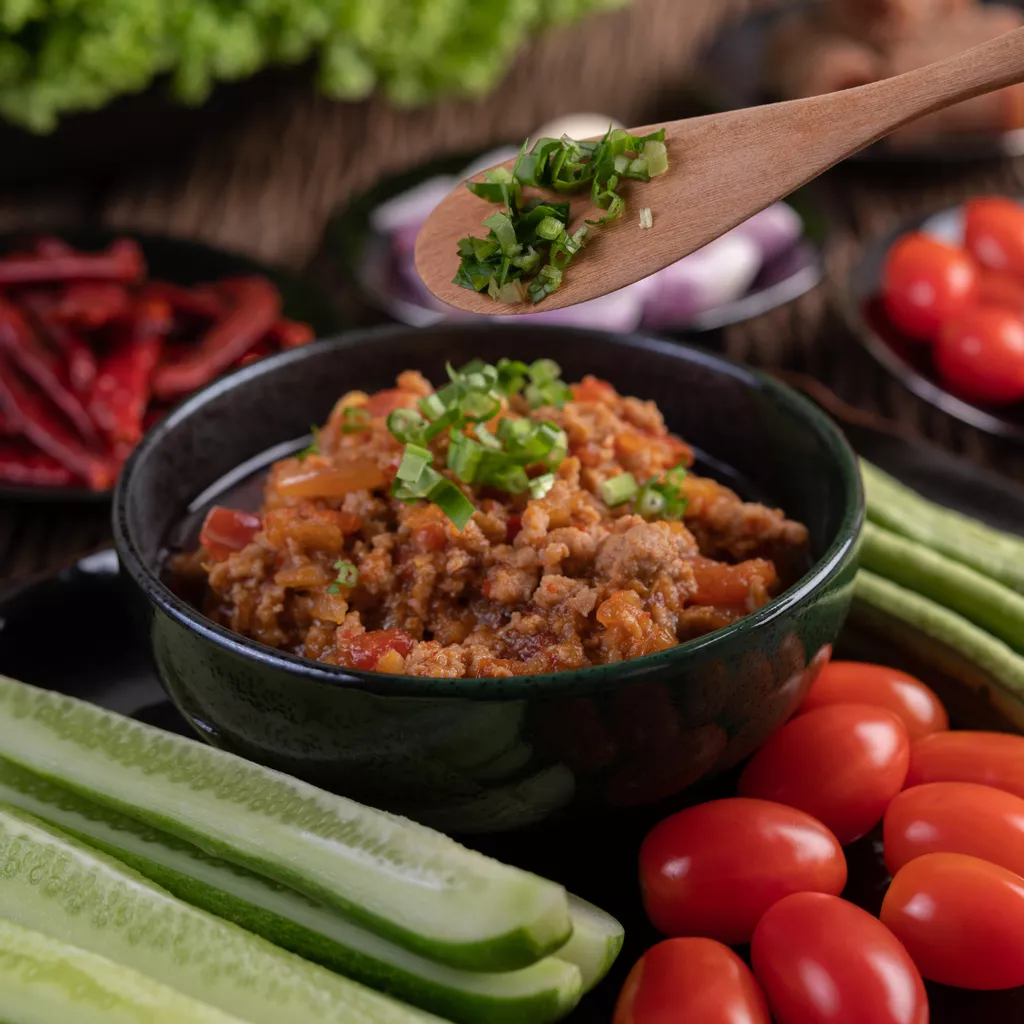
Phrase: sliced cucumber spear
[46,981]
[410,884]
[540,993]
[53,884]
[596,941]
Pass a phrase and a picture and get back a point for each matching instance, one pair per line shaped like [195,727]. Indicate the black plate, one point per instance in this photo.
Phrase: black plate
[732,78]
[909,360]
[365,256]
[179,261]
[596,860]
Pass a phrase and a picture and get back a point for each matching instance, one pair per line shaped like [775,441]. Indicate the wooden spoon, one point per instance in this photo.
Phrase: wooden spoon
[723,169]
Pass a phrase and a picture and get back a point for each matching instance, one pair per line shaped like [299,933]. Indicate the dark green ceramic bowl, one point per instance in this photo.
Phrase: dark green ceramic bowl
[476,755]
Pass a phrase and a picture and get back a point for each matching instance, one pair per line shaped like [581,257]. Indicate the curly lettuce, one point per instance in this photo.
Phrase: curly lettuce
[62,56]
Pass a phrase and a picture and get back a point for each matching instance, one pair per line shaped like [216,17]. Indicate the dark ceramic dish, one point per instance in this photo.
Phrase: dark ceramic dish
[909,360]
[732,76]
[490,754]
[180,261]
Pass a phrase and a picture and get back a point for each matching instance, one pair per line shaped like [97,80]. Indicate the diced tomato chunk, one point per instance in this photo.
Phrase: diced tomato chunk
[226,530]
[722,585]
[385,402]
[592,389]
[364,650]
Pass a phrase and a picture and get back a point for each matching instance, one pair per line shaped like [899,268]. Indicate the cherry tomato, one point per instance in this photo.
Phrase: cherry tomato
[226,530]
[714,869]
[988,758]
[961,919]
[955,817]
[856,682]
[994,233]
[842,764]
[980,354]
[1001,288]
[925,282]
[689,980]
[822,960]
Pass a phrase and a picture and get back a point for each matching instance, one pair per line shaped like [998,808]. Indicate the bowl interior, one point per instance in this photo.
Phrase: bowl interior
[752,432]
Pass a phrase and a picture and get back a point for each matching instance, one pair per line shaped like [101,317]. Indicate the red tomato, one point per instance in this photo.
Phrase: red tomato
[955,817]
[980,354]
[925,282]
[822,960]
[994,233]
[690,980]
[714,869]
[961,919]
[226,530]
[842,764]
[1001,288]
[856,682]
[987,758]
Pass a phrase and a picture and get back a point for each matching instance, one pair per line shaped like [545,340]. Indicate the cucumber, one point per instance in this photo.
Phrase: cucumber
[595,943]
[53,884]
[45,981]
[896,507]
[960,588]
[406,882]
[543,992]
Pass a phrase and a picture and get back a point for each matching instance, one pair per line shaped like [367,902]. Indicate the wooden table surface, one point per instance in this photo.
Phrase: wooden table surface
[267,186]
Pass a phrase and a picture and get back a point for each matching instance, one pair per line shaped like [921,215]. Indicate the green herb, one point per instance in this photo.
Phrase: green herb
[476,456]
[354,420]
[519,239]
[313,448]
[348,576]
[617,490]
[662,499]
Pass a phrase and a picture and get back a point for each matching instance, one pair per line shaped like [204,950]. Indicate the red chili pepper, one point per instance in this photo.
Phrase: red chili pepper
[261,351]
[23,465]
[122,261]
[121,394]
[198,303]
[23,346]
[290,334]
[90,304]
[27,410]
[256,308]
[79,358]
[50,246]
[226,530]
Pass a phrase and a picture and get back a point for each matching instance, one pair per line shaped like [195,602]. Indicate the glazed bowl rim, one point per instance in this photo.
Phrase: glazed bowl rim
[593,678]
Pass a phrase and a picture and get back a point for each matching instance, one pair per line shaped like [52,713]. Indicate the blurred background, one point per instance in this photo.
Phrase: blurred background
[274,129]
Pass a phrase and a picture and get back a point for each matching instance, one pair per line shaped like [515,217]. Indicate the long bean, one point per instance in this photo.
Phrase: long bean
[899,509]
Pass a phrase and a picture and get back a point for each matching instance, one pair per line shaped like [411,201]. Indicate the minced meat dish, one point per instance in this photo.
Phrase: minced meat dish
[587,541]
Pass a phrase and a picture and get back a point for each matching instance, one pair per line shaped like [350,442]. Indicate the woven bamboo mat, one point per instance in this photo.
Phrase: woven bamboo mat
[267,187]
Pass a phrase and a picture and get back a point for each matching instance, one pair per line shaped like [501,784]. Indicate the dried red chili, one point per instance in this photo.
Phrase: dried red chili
[24,466]
[290,334]
[24,348]
[197,303]
[122,261]
[255,310]
[79,357]
[37,421]
[121,394]
[91,304]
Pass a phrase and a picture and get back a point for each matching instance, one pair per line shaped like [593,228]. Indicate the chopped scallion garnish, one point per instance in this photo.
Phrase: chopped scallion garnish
[348,576]
[414,460]
[354,419]
[663,499]
[617,490]
[646,218]
[313,448]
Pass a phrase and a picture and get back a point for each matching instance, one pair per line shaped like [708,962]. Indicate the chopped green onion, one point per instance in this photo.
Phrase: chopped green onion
[540,485]
[617,490]
[313,448]
[453,503]
[646,218]
[432,406]
[348,576]
[464,456]
[655,153]
[550,228]
[414,460]
[407,425]
[650,503]
[354,420]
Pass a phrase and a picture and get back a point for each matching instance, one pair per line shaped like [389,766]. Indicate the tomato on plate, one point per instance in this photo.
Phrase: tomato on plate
[684,980]
[226,530]
[980,354]
[1001,288]
[955,817]
[714,869]
[856,682]
[994,233]
[961,919]
[925,282]
[987,758]
[842,764]
[821,960]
